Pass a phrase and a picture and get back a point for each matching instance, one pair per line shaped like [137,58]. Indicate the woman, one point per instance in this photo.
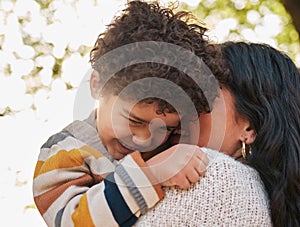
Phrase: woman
[265,85]
[262,102]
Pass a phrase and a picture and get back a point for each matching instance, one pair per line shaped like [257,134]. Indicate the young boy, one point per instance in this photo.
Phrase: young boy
[92,172]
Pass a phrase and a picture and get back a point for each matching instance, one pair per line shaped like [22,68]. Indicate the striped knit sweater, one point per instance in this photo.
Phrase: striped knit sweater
[76,185]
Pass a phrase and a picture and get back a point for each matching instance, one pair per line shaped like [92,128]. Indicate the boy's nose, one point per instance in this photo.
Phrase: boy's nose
[142,139]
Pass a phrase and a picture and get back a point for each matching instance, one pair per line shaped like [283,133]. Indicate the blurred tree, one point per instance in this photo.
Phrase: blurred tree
[40,48]
[293,7]
[265,21]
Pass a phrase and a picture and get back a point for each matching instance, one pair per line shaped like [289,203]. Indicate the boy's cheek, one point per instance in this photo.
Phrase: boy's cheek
[114,125]
[121,130]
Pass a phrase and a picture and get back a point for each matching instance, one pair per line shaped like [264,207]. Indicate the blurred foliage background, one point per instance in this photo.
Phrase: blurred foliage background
[45,40]
[44,55]
[265,21]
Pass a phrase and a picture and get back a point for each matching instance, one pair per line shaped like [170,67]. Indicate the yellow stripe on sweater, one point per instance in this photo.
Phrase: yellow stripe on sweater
[62,159]
[81,216]
[88,150]
[38,167]
[66,159]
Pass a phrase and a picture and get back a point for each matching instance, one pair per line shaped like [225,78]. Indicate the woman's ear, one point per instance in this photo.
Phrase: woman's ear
[95,85]
[249,135]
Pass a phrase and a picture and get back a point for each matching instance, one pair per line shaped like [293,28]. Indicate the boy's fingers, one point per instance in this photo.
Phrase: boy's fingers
[184,183]
[201,168]
[194,176]
[181,180]
[203,157]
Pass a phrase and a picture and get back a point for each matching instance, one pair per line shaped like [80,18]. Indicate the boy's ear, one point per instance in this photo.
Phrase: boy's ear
[95,84]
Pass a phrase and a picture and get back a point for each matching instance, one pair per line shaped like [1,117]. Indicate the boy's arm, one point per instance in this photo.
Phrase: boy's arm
[81,187]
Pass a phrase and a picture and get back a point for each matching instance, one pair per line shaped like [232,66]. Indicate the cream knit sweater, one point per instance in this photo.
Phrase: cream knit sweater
[231,194]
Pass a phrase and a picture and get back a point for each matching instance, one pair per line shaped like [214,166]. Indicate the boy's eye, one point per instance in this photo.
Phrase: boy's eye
[134,122]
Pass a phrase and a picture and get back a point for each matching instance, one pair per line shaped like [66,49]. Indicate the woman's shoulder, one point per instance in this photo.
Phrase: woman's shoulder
[233,189]
[235,186]
[230,194]
[231,173]
[220,161]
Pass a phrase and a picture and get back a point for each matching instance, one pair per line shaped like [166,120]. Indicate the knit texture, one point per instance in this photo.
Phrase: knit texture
[231,194]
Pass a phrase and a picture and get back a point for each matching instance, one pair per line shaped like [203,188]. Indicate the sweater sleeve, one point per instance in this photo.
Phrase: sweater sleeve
[76,185]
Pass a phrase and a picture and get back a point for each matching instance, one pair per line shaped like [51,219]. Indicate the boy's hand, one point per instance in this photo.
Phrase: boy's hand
[179,165]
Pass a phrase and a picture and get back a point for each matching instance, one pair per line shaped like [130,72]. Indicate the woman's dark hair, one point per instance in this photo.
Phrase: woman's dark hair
[266,88]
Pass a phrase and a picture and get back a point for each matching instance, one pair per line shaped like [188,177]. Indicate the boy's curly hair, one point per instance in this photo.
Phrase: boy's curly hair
[141,22]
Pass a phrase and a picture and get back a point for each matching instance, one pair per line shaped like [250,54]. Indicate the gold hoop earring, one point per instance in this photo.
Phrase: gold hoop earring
[244,150]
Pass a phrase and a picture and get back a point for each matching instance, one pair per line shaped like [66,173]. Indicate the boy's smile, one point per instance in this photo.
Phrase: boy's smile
[125,127]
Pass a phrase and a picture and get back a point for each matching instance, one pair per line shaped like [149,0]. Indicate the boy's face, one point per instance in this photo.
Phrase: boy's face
[125,126]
